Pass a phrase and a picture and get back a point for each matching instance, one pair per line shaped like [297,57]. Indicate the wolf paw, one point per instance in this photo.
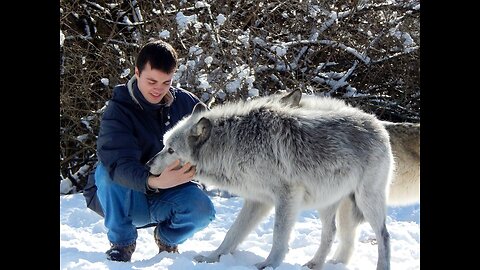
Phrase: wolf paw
[310,265]
[264,265]
[201,258]
[337,260]
[313,265]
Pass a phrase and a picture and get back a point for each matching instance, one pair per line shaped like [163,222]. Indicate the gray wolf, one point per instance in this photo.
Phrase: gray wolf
[405,184]
[290,158]
[405,142]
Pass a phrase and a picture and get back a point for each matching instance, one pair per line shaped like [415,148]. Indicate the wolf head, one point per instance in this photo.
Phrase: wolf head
[188,134]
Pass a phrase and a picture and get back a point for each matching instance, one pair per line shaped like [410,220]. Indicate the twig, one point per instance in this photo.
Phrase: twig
[125,24]
[342,82]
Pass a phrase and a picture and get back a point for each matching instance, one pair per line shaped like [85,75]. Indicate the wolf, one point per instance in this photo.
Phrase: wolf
[290,158]
[404,187]
[405,143]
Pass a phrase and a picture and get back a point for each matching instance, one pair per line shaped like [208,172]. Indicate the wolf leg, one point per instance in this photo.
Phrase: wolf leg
[372,203]
[250,215]
[286,211]
[327,216]
[348,219]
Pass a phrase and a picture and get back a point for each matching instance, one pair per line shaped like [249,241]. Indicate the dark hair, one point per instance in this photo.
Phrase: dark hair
[159,54]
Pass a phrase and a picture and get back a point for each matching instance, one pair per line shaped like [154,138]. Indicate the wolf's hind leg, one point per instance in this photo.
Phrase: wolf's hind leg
[250,215]
[348,219]
[327,217]
[371,200]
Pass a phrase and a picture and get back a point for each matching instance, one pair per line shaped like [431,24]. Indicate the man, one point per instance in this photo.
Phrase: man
[131,132]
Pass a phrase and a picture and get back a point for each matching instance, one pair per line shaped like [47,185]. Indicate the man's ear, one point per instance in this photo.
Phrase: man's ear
[200,132]
[199,107]
[137,72]
[292,99]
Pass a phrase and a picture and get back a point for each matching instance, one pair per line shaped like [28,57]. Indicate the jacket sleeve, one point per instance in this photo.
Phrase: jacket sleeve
[119,151]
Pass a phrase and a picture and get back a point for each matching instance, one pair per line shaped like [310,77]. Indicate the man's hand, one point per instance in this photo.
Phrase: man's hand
[171,177]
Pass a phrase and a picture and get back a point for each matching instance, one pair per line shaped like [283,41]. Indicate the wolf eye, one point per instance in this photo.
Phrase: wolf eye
[170,151]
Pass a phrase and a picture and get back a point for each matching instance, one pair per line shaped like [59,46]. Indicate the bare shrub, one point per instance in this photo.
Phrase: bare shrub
[365,52]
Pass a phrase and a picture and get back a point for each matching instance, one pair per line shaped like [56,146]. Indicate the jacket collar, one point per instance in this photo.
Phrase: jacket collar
[131,85]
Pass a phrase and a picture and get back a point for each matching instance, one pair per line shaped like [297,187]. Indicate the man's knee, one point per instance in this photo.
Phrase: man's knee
[196,204]
[203,210]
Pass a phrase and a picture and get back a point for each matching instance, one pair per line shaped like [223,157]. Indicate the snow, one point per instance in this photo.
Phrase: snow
[125,73]
[183,21]
[201,4]
[253,92]
[208,60]
[202,78]
[221,19]
[105,81]
[83,241]
[62,38]
[165,34]
[195,50]
[66,186]
[279,50]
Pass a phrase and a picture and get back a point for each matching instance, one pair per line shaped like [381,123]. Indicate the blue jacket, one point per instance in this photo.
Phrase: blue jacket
[131,132]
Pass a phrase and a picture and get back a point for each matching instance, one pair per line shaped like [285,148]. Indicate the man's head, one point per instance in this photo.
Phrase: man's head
[154,69]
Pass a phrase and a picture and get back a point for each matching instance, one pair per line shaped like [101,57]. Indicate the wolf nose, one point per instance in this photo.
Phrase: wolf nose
[149,163]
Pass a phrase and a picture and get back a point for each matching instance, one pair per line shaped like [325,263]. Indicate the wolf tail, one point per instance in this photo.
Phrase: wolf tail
[348,217]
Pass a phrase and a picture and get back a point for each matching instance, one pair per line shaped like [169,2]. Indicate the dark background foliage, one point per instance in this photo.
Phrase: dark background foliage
[365,52]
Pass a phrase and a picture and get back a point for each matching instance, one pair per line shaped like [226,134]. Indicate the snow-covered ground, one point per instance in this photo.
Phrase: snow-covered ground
[83,241]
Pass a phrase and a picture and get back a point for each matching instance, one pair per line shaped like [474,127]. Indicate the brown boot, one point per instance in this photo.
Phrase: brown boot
[120,253]
[163,247]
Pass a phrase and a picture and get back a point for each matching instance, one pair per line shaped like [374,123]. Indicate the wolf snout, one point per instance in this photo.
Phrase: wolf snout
[149,163]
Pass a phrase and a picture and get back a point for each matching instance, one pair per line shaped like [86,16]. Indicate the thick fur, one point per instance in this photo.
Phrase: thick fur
[404,140]
[290,158]
[404,187]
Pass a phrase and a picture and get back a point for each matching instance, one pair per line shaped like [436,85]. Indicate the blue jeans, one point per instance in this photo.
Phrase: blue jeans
[178,212]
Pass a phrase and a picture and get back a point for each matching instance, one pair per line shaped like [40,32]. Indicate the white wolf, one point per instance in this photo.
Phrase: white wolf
[291,158]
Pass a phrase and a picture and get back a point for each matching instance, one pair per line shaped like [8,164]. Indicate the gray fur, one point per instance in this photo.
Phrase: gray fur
[404,140]
[405,184]
[290,158]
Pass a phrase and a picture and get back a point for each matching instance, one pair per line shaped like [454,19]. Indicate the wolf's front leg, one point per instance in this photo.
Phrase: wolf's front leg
[287,208]
[250,215]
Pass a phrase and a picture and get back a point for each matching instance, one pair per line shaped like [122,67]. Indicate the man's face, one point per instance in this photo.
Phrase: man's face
[153,83]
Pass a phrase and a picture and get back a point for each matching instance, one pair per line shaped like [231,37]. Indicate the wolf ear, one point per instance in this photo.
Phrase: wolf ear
[292,99]
[200,132]
[199,107]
